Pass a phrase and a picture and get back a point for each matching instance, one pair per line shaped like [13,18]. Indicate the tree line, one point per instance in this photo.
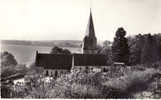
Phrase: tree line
[138,49]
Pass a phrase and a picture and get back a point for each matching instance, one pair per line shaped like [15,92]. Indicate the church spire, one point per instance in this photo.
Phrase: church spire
[90,27]
[90,40]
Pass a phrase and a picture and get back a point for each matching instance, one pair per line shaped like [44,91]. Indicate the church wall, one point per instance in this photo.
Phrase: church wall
[53,72]
[90,68]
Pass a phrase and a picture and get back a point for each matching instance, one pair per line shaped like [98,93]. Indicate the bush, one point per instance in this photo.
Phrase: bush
[132,82]
[7,59]
[80,85]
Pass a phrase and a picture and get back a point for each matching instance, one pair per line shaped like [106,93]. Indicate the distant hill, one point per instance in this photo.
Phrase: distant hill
[51,43]
[60,43]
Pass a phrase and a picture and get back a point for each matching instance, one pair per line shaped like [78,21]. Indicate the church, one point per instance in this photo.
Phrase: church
[55,64]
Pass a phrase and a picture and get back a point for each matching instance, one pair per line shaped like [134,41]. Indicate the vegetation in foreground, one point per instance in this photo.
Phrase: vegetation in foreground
[134,83]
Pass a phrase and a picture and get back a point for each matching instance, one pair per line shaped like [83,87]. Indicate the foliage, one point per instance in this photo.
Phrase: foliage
[34,69]
[7,59]
[78,85]
[8,64]
[107,51]
[88,85]
[144,49]
[106,43]
[11,72]
[149,51]
[8,71]
[135,44]
[57,50]
[38,88]
[120,50]
[133,82]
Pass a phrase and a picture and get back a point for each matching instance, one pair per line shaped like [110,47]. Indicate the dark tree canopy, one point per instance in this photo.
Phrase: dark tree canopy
[7,59]
[8,64]
[120,49]
[136,43]
[58,50]
[145,48]
[120,32]
[150,51]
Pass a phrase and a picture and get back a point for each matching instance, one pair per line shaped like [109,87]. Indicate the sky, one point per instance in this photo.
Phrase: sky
[67,19]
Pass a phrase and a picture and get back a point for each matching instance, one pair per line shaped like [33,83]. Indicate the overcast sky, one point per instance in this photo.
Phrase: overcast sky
[67,19]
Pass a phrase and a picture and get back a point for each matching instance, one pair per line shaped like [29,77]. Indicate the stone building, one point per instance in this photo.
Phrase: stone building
[54,64]
[57,64]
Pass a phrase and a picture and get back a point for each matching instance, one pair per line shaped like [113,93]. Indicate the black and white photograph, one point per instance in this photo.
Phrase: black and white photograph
[80,49]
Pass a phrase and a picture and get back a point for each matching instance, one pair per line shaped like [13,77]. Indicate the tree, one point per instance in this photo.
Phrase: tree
[157,38]
[8,64]
[66,51]
[57,50]
[7,59]
[120,49]
[144,48]
[106,50]
[150,51]
[135,46]
[106,43]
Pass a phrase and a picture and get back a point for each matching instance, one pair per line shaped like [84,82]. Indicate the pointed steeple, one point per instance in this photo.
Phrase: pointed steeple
[90,27]
[90,41]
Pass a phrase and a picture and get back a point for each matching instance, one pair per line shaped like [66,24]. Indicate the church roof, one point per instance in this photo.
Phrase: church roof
[63,61]
[54,61]
[90,60]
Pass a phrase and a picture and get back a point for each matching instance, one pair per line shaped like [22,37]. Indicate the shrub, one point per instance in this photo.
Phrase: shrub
[80,85]
[132,82]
